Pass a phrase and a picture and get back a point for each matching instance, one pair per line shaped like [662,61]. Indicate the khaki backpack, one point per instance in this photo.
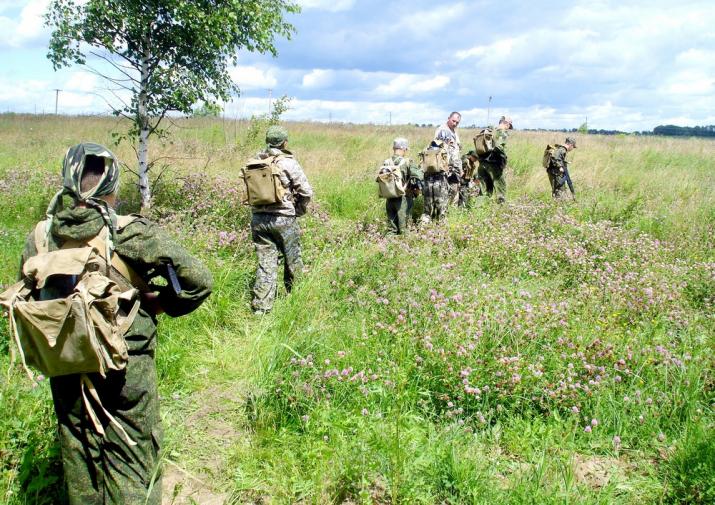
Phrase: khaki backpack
[389,180]
[484,142]
[262,177]
[434,160]
[67,315]
[548,155]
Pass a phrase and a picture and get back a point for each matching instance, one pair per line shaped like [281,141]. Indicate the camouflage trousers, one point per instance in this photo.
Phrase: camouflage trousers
[436,194]
[492,179]
[101,471]
[559,190]
[274,237]
[459,193]
[397,214]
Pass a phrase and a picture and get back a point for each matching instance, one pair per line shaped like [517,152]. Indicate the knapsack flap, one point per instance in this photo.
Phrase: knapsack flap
[484,142]
[262,179]
[42,266]
[548,155]
[434,161]
[389,180]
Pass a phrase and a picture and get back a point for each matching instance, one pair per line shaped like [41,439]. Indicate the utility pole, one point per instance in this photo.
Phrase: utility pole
[57,98]
[330,117]
[489,109]
[390,120]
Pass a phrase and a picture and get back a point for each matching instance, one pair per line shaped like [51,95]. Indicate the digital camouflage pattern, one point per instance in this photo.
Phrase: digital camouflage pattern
[275,232]
[274,236]
[492,168]
[557,167]
[107,470]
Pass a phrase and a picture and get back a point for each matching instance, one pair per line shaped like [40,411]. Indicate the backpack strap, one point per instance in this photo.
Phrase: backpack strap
[99,242]
[87,386]
[121,266]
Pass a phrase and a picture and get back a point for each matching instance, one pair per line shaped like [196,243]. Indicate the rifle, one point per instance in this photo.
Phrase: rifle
[568,181]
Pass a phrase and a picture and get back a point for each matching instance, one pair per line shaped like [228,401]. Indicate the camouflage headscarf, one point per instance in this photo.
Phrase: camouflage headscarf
[72,170]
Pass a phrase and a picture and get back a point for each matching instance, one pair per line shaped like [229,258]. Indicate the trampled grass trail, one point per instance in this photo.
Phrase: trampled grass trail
[536,352]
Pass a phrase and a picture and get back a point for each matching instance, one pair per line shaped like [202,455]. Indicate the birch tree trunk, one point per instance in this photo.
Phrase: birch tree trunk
[143,126]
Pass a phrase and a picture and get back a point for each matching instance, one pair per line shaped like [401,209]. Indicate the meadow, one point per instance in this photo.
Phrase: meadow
[535,352]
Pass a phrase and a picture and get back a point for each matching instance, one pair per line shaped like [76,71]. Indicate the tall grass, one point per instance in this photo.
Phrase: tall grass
[529,353]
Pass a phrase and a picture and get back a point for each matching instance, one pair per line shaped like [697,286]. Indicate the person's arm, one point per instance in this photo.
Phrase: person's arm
[558,159]
[299,185]
[149,250]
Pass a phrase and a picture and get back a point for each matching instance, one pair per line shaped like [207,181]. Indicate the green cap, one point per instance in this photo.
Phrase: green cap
[570,140]
[276,135]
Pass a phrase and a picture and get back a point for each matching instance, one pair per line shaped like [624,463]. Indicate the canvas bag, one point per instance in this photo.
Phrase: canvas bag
[434,160]
[80,331]
[548,154]
[484,142]
[389,180]
[263,181]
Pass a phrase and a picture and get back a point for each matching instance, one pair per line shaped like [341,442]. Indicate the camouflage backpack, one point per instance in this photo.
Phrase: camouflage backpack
[548,155]
[389,179]
[484,142]
[434,159]
[262,177]
[69,313]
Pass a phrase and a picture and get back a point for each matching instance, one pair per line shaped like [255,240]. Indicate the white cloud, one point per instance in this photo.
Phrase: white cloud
[249,77]
[432,20]
[318,78]
[80,81]
[25,29]
[328,5]
[412,84]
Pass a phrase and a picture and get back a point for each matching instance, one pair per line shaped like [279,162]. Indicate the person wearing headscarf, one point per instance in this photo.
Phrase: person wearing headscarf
[113,468]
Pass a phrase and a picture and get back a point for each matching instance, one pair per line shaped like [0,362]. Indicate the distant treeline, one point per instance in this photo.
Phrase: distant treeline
[685,131]
[665,130]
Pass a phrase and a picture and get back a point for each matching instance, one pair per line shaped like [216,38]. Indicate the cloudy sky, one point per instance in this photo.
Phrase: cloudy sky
[628,65]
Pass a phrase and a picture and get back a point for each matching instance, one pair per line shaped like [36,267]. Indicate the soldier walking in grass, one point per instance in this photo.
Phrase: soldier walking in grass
[276,203]
[447,133]
[557,169]
[437,183]
[401,179]
[111,442]
[492,166]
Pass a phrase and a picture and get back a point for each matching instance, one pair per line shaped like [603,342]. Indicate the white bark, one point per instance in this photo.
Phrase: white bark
[143,124]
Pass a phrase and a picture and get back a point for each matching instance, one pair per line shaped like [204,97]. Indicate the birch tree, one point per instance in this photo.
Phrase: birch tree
[166,55]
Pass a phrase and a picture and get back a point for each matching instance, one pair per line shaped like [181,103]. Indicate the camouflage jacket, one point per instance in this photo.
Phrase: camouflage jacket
[147,249]
[410,170]
[298,194]
[451,140]
[558,163]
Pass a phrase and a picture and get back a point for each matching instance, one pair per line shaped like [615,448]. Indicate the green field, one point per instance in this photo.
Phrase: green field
[536,352]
